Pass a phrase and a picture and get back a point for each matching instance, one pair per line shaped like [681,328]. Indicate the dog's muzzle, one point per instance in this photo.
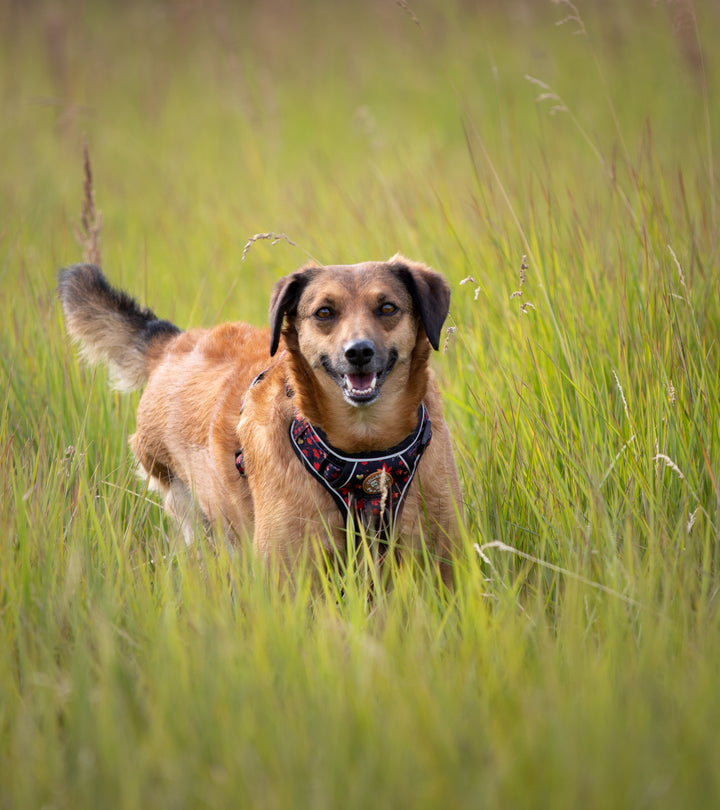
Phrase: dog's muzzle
[361,371]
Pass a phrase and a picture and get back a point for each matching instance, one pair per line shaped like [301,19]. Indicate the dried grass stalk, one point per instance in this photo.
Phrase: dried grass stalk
[87,232]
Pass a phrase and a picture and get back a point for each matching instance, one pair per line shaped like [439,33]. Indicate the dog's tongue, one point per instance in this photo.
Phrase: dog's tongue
[361,382]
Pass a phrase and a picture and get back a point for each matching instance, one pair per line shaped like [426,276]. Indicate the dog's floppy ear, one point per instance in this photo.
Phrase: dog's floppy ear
[430,294]
[284,300]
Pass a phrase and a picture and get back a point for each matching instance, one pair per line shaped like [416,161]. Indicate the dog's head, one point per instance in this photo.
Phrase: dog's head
[359,327]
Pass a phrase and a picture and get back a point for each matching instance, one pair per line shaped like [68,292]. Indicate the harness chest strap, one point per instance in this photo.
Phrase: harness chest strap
[368,488]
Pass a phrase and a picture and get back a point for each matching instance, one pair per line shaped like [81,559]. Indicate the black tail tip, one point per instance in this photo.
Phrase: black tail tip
[79,276]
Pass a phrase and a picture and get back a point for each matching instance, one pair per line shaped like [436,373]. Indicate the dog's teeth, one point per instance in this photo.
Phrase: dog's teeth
[359,385]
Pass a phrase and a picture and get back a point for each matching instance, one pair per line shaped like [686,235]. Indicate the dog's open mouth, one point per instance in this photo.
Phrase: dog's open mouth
[360,387]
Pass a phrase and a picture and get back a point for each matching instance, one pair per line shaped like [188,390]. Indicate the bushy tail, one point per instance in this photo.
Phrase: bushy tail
[111,327]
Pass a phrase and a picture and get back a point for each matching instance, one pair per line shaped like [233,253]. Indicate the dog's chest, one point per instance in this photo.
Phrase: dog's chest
[368,489]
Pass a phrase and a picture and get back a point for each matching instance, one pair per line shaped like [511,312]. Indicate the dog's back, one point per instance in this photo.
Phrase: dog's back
[194,384]
[111,327]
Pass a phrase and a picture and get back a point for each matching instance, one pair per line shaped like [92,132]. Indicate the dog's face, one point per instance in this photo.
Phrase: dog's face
[358,326]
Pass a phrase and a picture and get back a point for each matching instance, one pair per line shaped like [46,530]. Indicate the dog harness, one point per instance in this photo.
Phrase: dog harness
[368,488]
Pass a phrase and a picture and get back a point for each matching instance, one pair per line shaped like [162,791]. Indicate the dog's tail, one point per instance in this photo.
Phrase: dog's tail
[111,327]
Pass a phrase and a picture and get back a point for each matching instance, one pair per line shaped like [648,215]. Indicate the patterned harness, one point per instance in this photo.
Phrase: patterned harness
[368,488]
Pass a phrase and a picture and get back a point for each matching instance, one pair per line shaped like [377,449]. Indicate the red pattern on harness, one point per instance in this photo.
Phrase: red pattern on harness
[370,488]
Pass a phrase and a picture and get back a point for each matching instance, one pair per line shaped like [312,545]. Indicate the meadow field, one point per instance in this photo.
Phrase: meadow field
[559,164]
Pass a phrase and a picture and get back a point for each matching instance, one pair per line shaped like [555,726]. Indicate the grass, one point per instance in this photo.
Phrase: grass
[576,662]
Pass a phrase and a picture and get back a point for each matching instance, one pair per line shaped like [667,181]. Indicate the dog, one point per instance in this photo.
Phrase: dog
[329,421]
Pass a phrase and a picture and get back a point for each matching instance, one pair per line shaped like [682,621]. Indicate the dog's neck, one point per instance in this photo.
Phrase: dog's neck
[383,424]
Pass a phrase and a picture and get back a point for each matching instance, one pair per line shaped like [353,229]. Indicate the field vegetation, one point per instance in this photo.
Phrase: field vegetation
[564,177]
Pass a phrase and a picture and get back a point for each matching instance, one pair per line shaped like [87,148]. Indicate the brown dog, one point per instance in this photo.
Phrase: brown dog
[319,424]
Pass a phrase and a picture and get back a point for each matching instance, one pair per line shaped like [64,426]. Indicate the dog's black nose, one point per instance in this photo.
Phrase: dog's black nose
[360,352]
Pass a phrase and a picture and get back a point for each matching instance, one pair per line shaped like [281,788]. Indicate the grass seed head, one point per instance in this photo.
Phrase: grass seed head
[87,233]
[668,462]
[449,332]
[276,237]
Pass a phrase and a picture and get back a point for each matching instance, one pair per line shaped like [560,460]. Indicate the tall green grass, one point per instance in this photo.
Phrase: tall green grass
[576,661]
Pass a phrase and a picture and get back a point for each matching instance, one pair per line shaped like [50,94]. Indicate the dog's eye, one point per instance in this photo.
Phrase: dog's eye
[387,309]
[325,313]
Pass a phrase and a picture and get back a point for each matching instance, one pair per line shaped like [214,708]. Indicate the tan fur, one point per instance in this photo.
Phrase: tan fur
[198,407]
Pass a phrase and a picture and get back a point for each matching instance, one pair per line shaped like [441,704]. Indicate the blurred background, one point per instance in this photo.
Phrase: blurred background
[357,128]
[562,161]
